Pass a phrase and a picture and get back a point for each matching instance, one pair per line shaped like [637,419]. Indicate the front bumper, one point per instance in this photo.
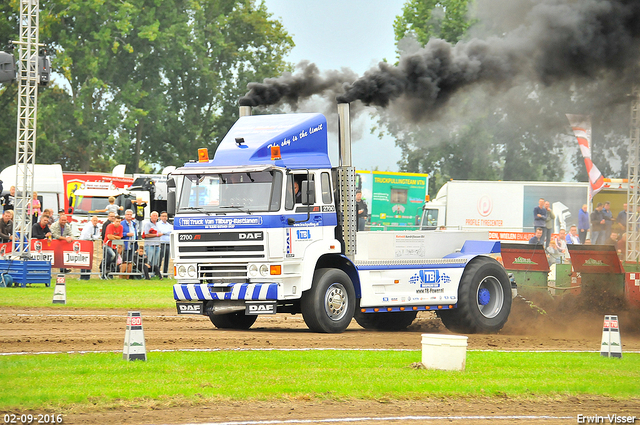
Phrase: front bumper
[231,291]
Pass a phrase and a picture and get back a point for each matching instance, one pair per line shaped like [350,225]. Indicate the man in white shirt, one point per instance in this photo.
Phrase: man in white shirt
[561,241]
[90,232]
[165,228]
[152,234]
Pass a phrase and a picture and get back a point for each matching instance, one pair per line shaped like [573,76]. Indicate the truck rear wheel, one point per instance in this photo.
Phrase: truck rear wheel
[395,321]
[237,320]
[329,305]
[484,299]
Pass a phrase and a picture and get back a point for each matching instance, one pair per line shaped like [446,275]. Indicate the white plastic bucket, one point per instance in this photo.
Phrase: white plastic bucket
[444,352]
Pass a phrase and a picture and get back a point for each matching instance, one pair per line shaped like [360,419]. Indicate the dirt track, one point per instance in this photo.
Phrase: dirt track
[62,329]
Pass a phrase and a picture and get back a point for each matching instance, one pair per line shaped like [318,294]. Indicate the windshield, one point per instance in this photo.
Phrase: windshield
[94,204]
[430,218]
[231,192]
[89,204]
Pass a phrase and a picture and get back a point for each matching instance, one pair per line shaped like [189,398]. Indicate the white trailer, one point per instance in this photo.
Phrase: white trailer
[502,206]
[48,182]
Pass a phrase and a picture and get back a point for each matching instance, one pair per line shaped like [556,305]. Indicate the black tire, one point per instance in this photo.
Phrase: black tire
[237,320]
[484,299]
[394,321]
[329,305]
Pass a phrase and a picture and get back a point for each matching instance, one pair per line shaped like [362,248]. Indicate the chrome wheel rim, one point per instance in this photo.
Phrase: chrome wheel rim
[489,297]
[335,301]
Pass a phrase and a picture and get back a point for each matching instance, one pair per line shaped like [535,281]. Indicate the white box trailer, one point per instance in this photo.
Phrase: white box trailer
[48,182]
[502,206]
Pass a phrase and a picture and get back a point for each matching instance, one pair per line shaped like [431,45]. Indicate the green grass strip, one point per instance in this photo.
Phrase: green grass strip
[79,381]
[95,293]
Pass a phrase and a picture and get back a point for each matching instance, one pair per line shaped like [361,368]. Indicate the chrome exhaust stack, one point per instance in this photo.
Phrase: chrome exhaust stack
[347,182]
[344,134]
[245,111]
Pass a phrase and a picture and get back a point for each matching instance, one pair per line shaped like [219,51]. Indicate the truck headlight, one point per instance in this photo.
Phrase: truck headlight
[191,271]
[253,270]
[264,270]
[182,271]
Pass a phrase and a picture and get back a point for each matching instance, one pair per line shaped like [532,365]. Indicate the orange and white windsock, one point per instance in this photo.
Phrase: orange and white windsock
[581,126]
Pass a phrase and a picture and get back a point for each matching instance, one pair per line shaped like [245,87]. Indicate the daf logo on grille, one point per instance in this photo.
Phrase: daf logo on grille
[250,235]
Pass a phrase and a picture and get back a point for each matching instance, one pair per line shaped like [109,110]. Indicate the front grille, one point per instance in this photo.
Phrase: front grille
[222,256]
[222,273]
[222,248]
[220,245]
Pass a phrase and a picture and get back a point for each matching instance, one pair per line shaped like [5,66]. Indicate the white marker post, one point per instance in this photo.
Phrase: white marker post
[134,348]
[611,345]
[60,290]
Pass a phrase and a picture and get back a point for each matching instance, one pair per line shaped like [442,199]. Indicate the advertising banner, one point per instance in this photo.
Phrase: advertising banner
[61,254]
[595,259]
[524,257]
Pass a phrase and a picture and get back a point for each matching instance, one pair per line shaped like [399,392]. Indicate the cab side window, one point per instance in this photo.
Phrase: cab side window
[293,193]
[288,200]
[325,184]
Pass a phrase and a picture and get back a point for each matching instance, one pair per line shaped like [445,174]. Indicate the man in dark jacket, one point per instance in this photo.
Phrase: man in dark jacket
[6,227]
[598,225]
[537,239]
[41,229]
[540,217]
[363,211]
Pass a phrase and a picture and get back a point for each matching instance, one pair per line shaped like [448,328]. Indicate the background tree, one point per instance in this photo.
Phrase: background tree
[484,133]
[142,82]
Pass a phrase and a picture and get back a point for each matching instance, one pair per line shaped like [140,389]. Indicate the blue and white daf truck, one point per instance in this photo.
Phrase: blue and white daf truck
[269,226]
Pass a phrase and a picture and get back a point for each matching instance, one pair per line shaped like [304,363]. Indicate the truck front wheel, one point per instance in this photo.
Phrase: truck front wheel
[329,305]
[484,299]
[237,320]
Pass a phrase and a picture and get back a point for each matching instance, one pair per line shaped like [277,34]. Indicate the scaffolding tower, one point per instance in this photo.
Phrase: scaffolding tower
[27,76]
[633,189]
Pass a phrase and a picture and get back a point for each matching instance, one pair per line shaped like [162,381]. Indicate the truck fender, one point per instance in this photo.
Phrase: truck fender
[341,262]
[312,253]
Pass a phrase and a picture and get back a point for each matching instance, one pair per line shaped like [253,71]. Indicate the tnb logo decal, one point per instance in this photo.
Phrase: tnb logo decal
[429,278]
[303,234]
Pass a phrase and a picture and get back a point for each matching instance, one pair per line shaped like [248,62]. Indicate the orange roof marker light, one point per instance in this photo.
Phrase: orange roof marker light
[203,155]
[275,153]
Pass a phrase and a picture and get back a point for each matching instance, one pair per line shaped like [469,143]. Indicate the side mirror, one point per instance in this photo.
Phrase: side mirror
[308,193]
[171,197]
[171,203]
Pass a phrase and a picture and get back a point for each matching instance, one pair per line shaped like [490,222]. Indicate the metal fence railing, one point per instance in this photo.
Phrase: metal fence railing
[127,260]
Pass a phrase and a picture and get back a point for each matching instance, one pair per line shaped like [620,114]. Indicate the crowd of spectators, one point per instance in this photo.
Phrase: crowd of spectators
[600,225]
[128,245]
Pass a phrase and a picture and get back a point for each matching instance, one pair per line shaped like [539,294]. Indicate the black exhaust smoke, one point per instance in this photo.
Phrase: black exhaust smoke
[291,88]
[560,40]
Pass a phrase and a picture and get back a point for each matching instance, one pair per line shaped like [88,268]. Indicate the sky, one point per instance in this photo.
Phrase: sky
[355,34]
